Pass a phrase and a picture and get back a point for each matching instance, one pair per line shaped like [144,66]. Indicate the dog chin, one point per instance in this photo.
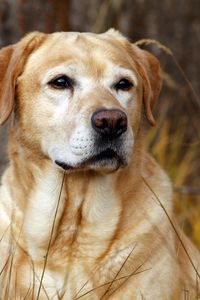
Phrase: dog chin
[105,161]
[107,166]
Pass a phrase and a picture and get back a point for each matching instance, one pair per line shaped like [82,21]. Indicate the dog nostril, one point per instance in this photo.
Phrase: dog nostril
[101,123]
[109,123]
[121,125]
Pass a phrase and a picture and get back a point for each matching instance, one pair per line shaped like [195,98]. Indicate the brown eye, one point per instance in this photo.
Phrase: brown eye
[62,82]
[124,85]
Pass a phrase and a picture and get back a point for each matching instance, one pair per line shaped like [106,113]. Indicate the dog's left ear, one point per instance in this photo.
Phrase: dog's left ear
[12,61]
[150,72]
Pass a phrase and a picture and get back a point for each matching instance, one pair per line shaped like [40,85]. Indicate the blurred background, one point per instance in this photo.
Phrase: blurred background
[175,141]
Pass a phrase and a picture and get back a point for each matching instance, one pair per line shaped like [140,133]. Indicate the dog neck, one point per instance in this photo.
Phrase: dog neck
[77,206]
[73,207]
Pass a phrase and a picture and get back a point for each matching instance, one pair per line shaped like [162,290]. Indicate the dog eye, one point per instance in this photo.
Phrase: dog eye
[124,85]
[62,82]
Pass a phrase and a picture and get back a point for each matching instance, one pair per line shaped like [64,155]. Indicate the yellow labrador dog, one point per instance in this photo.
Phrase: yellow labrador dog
[85,212]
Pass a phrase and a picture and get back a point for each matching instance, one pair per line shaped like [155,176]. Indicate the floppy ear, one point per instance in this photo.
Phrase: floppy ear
[12,60]
[150,72]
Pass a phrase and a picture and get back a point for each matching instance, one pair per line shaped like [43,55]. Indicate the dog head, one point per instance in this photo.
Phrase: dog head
[78,97]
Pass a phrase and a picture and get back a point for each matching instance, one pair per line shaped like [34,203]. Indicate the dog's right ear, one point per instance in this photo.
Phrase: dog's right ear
[12,61]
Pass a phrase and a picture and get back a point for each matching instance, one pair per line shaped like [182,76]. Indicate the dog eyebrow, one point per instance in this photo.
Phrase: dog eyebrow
[65,68]
[125,72]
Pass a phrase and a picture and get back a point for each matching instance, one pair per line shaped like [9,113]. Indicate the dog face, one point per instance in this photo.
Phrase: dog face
[79,97]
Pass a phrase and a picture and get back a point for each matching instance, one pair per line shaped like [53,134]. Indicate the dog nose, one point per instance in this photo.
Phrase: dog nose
[109,123]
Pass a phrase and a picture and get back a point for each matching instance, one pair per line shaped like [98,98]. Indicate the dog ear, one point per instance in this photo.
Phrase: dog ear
[12,61]
[150,72]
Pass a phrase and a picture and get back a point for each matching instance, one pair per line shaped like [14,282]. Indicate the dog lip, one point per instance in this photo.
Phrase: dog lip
[63,165]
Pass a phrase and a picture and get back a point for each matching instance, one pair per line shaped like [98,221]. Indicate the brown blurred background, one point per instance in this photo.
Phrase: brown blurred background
[175,141]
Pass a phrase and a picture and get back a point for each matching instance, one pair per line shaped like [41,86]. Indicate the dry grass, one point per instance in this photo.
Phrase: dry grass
[167,148]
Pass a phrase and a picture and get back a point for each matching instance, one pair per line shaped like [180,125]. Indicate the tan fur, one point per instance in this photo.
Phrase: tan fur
[110,239]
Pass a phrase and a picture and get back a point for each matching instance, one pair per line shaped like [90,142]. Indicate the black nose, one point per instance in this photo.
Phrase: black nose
[109,123]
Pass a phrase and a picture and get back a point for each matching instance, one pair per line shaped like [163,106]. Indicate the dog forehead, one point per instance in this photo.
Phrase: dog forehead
[86,41]
[87,48]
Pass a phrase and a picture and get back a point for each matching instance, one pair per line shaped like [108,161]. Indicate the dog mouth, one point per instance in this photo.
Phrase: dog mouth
[105,158]
[104,155]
